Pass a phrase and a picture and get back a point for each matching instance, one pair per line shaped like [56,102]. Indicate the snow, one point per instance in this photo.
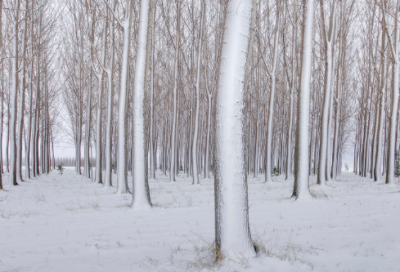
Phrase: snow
[70,223]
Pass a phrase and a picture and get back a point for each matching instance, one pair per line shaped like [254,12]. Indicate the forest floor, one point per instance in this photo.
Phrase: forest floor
[69,223]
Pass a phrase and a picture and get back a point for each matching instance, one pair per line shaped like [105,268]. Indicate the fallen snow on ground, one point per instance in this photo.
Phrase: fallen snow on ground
[69,223]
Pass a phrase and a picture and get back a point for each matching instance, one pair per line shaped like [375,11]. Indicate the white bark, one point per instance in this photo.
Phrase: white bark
[173,140]
[196,120]
[327,98]
[110,102]
[99,153]
[268,176]
[21,103]
[206,166]
[122,134]
[141,193]
[29,125]
[381,93]
[301,190]
[13,100]
[395,100]
[231,199]
[153,167]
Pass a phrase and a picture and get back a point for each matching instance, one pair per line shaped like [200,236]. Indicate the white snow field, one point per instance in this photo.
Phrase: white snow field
[69,223]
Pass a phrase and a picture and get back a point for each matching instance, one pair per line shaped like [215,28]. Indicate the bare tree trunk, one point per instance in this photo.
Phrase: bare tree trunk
[12,178]
[196,120]
[394,98]
[122,113]
[110,104]
[21,106]
[270,125]
[301,187]
[232,232]
[328,38]
[141,192]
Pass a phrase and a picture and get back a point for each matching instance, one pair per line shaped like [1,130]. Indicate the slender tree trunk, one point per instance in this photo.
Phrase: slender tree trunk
[381,93]
[196,120]
[270,125]
[110,104]
[122,113]
[328,38]
[12,178]
[172,169]
[395,101]
[21,106]
[99,153]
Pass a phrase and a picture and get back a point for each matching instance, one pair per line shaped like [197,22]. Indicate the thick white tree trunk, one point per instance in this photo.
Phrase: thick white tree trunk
[12,178]
[122,133]
[141,192]
[231,198]
[301,187]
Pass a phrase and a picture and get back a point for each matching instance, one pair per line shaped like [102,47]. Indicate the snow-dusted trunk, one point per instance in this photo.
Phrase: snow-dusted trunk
[381,93]
[99,150]
[301,187]
[153,154]
[269,161]
[35,132]
[328,141]
[324,119]
[1,96]
[173,136]
[29,125]
[141,192]
[122,116]
[232,232]
[328,39]
[12,179]
[335,139]
[110,103]
[207,166]
[375,135]
[21,102]
[196,119]
[89,105]
[289,136]
[87,132]
[292,89]
[395,101]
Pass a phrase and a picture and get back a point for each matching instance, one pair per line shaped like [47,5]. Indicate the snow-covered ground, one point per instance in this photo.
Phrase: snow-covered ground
[69,223]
